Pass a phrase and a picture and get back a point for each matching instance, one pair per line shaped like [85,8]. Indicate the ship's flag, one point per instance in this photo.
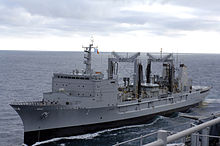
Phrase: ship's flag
[96,50]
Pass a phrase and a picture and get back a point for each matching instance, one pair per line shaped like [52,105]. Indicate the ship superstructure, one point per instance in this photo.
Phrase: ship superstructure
[84,101]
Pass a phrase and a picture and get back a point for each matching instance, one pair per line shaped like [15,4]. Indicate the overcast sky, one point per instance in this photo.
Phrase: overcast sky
[188,26]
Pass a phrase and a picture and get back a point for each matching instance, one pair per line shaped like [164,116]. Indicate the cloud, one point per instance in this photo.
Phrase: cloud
[104,17]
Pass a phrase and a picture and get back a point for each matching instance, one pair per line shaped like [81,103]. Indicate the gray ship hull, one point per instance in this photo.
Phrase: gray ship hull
[61,121]
[42,135]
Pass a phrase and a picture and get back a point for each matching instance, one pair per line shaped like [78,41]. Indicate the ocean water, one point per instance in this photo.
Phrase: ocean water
[24,76]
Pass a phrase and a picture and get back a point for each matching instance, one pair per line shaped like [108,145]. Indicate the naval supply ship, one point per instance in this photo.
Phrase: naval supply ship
[85,102]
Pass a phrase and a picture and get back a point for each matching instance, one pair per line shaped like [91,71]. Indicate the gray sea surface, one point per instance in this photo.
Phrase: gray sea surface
[24,76]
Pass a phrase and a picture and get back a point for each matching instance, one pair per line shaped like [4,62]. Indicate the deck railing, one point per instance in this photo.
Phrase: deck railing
[163,137]
[36,103]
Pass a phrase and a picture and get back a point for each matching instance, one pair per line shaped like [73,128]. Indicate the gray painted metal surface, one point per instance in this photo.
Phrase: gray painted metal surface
[87,98]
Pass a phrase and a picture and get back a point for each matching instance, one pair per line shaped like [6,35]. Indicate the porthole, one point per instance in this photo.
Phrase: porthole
[67,103]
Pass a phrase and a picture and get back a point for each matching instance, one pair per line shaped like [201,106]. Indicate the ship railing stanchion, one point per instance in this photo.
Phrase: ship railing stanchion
[183,140]
[141,140]
[194,139]
[162,135]
[205,139]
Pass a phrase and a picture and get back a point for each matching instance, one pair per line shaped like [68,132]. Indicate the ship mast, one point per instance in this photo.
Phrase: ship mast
[88,57]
